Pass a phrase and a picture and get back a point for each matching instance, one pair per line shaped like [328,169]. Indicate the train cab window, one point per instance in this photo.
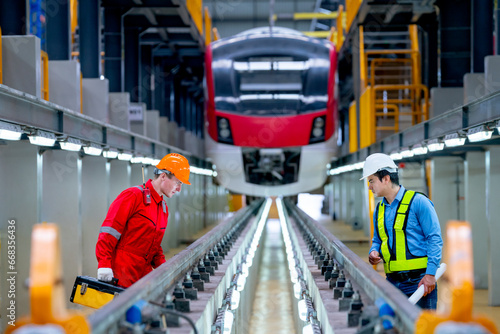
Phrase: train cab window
[271,85]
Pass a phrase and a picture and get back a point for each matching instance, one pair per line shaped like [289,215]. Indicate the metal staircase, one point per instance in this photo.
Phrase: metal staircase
[393,97]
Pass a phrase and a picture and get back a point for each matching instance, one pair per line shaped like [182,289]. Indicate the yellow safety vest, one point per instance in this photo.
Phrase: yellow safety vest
[395,259]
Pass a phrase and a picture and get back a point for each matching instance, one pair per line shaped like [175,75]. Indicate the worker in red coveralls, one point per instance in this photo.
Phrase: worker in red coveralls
[129,243]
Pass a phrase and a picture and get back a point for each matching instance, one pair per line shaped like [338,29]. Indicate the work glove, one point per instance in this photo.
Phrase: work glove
[105,274]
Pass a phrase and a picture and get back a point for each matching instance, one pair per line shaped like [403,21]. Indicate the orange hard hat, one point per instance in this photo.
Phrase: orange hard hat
[176,164]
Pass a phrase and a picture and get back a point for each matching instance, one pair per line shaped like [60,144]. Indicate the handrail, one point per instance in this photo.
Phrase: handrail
[45,75]
[362,60]
[340,27]
[332,35]
[353,128]
[389,51]
[352,7]
[415,57]
[418,109]
[216,34]
[376,62]
[208,27]
[195,8]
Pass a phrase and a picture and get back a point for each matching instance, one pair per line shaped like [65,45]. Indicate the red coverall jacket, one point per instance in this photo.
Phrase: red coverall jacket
[130,237]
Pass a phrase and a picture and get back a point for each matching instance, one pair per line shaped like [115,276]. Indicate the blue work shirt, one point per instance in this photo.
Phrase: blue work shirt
[423,232]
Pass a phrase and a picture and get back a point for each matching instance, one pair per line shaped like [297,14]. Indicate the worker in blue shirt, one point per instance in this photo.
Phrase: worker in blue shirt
[407,235]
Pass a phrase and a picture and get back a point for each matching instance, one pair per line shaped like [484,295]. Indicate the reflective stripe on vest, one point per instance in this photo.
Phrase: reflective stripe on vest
[396,260]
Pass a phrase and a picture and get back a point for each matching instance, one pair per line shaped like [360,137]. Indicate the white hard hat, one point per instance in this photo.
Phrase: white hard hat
[376,162]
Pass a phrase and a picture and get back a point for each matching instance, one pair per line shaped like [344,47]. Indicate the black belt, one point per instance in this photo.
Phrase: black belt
[401,276]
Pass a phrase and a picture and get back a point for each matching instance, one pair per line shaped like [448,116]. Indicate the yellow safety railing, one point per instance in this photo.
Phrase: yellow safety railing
[315,15]
[351,7]
[208,27]
[362,59]
[392,93]
[366,116]
[407,95]
[216,34]
[195,8]
[1,64]
[73,18]
[45,75]
[332,36]
[415,56]
[318,34]
[385,113]
[353,127]
[379,63]
[340,27]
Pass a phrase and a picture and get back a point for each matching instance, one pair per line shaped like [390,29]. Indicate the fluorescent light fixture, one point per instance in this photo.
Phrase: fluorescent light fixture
[435,145]
[71,144]
[240,283]
[125,156]
[453,140]
[92,149]
[200,171]
[42,138]
[498,126]
[479,133]
[10,131]
[155,162]
[308,329]
[244,269]
[419,149]
[406,152]
[235,299]
[228,321]
[137,159]
[110,154]
[148,161]
[396,156]
[359,165]
[302,309]
[297,289]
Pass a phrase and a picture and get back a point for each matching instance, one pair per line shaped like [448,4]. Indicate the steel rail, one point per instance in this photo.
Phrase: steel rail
[374,285]
[168,274]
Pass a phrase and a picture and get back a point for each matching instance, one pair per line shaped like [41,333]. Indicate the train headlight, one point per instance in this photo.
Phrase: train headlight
[319,122]
[223,123]
[318,130]
[224,131]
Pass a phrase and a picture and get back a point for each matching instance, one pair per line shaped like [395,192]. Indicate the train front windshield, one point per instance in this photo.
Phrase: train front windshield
[272,84]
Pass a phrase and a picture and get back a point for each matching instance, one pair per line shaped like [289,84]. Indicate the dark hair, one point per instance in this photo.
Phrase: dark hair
[393,176]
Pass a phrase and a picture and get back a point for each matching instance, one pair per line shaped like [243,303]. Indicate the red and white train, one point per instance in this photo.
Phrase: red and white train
[271,111]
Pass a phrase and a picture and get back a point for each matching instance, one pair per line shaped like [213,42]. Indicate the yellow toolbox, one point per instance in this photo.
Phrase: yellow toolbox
[91,292]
